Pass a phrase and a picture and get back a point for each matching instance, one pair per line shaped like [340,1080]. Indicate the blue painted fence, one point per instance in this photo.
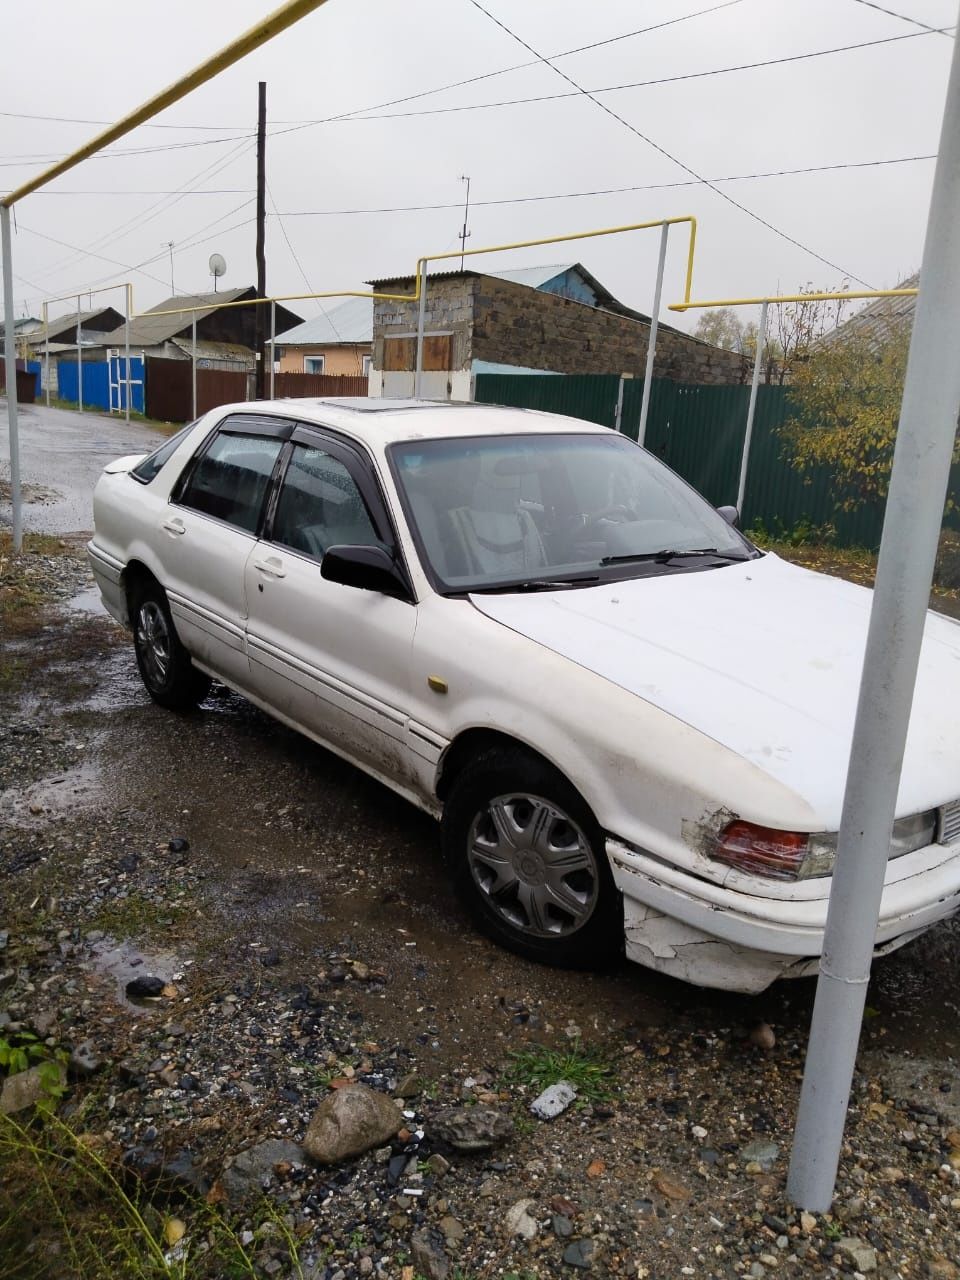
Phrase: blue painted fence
[97,379]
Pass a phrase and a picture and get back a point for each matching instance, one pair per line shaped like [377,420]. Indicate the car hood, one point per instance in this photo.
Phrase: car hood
[763,657]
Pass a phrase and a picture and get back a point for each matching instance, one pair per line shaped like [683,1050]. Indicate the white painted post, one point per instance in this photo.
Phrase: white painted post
[421,321]
[46,353]
[193,362]
[10,369]
[618,412]
[79,362]
[652,343]
[273,345]
[911,531]
[126,343]
[752,407]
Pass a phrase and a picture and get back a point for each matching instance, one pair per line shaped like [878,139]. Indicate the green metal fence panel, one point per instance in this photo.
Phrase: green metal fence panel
[699,432]
[590,396]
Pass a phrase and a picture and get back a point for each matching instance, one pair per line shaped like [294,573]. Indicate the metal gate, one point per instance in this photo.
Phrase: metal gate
[117,382]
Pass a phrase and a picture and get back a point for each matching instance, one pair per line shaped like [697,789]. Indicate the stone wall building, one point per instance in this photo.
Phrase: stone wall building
[557,319]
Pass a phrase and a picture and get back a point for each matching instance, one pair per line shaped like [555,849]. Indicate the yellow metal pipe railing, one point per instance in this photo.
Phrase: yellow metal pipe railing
[258,34]
[853,295]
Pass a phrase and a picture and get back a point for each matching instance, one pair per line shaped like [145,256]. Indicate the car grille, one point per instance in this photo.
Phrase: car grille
[950,823]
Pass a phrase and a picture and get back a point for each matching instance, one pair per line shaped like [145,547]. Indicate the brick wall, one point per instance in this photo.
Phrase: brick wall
[521,326]
[507,323]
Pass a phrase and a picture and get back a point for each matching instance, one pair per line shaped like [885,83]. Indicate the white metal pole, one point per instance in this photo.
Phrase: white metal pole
[79,362]
[273,345]
[193,362]
[126,343]
[652,342]
[46,354]
[752,407]
[911,530]
[421,321]
[10,368]
[618,412]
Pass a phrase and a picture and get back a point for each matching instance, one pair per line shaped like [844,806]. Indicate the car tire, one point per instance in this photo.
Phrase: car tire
[528,860]
[168,675]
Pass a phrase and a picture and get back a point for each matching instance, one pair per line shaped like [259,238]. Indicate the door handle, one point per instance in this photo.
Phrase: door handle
[272,567]
[175,526]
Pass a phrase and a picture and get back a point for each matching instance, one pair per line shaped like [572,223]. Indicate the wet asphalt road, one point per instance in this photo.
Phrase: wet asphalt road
[267,807]
[61,454]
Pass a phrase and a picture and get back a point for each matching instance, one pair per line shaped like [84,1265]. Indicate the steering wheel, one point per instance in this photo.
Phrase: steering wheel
[617,514]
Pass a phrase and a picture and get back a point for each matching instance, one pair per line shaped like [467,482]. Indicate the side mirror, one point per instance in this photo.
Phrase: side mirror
[371,568]
[731,515]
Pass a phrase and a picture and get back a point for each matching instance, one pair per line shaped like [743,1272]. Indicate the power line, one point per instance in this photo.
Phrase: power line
[609,191]
[638,84]
[424,93]
[22,161]
[940,31]
[206,191]
[517,66]
[293,254]
[139,220]
[664,152]
[86,253]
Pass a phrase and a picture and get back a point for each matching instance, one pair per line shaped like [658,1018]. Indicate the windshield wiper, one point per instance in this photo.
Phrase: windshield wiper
[663,557]
[536,584]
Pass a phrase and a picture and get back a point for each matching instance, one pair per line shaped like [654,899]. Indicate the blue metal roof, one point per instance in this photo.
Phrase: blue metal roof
[349,322]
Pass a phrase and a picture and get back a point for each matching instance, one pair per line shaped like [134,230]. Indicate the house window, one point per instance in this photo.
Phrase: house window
[367,362]
[313,364]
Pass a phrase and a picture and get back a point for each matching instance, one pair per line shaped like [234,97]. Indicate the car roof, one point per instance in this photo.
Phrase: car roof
[384,421]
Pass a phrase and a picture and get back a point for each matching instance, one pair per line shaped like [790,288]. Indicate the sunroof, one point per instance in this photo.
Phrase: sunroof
[383,405]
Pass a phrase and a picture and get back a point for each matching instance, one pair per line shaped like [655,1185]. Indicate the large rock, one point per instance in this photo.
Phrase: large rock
[25,1089]
[350,1121]
[473,1128]
[252,1168]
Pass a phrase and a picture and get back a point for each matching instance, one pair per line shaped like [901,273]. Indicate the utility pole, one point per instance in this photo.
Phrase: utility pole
[908,549]
[260,318]
[464,234]
[169,244]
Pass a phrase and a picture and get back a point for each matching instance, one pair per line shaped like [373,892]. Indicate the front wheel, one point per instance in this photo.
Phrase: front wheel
[528,859]
[170,677]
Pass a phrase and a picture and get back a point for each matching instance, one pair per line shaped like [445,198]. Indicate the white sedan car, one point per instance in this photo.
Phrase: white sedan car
[633,725]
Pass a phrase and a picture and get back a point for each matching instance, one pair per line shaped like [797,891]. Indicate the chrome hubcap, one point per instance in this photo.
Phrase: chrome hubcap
[153,641]
[534,865]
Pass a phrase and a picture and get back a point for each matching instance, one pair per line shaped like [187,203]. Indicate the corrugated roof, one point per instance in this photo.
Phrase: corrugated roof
[59,325]
[349,322]
[149,330]
[233,351]
[536,277]
[878,317]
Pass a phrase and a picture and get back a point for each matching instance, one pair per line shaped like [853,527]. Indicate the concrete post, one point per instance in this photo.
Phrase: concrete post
[911,531]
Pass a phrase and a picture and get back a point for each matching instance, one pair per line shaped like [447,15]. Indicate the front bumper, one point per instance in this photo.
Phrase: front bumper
[715,936]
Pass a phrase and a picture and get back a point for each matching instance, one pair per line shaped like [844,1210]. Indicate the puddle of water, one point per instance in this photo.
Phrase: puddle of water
[87,601]
[64,793]
[124,961]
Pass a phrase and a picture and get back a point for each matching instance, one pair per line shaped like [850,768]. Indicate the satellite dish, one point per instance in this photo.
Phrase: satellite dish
[218,266]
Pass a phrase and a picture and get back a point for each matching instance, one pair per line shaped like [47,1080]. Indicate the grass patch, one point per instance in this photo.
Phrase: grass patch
[20,594]
[67,1208]
[136,917]
[590,1073]
[71,406]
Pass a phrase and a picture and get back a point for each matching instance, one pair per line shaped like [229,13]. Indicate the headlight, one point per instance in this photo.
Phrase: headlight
[798,855]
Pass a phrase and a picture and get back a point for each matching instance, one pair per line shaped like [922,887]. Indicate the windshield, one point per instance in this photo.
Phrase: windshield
[540,509]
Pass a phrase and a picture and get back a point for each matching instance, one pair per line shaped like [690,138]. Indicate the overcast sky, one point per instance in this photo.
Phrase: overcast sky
[94,62]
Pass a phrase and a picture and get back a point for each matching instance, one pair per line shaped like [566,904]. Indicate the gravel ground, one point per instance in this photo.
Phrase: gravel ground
[302,936]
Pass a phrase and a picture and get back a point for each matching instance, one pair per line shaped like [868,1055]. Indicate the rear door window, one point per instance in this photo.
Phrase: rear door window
[231,478]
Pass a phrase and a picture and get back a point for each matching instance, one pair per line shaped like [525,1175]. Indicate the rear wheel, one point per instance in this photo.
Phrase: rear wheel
[170,677]
[528,859]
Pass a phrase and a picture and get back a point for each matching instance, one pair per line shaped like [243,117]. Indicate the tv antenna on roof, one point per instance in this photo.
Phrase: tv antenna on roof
[218,266]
